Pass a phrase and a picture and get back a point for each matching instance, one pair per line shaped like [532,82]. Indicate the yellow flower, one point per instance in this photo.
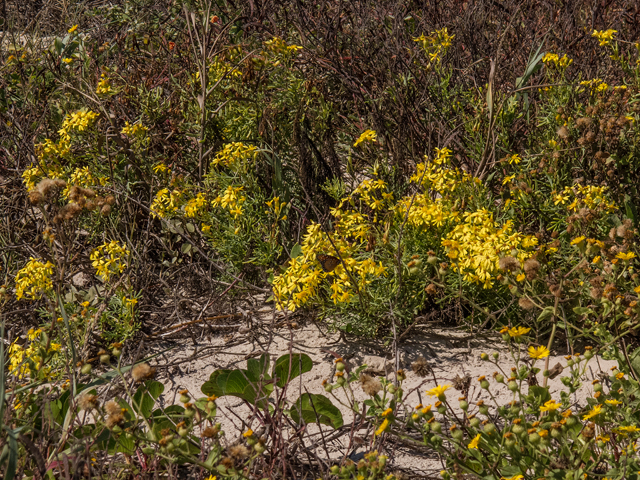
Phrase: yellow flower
[367,136]
[626,256]
[72,29]
[604,36]
[382,427]
[613,402]
[248,433]
[515,158]
[211,477]
[596,259]
[206,228]
[518,331]
[550,406]
[474,443]
[515,477]
[628,429]
[594,412]
[521,277]
[387,412]
[577,240]
[67,60]
[538,352]
[619,375]
[438,391]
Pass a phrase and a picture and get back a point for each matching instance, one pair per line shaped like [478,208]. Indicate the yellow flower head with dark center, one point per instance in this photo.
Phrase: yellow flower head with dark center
[474,442]
[516,332]
[538,352]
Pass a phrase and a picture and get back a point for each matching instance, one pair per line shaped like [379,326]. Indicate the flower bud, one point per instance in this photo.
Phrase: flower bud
[496,355]
[436,427]
[341,381]
[457,434]
[513,386]
[340,367]
[597,387]
[104,358]
[489,428]
[259,448]
[474,422]
[183,431]
[484,409]
[484,356]
[534,438]
[499,378]
[464,405]
[484,384]
[328,387]
[86,369]
[184,398]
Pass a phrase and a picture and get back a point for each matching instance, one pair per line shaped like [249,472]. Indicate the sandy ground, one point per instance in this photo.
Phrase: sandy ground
[448,353]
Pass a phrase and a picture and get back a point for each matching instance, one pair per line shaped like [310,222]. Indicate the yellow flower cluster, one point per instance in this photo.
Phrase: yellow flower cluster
[82,177]
[231,200]
[234,154]
[604,36]
[475,246]
[34,279]
[135,130]
[166,202]
[27,360]
[581,196]
[109,259]
[596,85]
[374,194]
[193,206]
[301,281]
[436,44]
[79,122]
[32,175]
[366,136]
[104,86]
[426,212]
[277,206]
[279,46]
[554,59]
[439,175]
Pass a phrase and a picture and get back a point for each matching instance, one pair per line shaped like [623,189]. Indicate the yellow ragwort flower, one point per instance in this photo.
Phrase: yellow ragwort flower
[538,352]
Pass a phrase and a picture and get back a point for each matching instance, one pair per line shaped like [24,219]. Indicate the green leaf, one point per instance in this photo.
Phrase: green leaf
[316,409]
[12,455]
[296,251]
[288,367]
[258,367]
[545,314]
[145,397]
[582,310]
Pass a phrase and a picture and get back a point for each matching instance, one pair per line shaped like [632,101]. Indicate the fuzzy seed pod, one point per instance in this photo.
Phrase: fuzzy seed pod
[431,289]
[420,367]
[239,452]
[371,386]
[531,267]
[508,263]
[111,200]
[563,132]
[142,372]
[88,402]
[555,290]
[525,303]
[590,137]
[105,210]
[36,198]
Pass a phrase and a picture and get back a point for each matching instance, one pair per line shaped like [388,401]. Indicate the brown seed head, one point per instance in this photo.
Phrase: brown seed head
[421,367]
[508,263]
